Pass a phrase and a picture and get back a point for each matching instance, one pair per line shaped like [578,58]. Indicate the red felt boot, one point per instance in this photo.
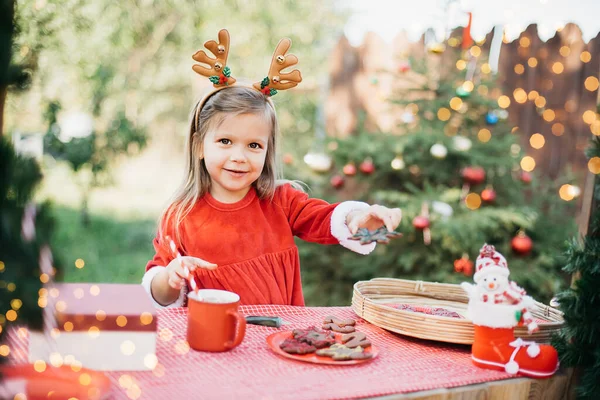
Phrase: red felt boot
[496,306]
[497,348]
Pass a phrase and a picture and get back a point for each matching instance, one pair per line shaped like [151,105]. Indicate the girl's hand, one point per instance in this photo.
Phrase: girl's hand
[373,218]
[176,274]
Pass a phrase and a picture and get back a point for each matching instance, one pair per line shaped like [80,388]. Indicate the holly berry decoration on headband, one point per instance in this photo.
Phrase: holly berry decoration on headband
[222,79]
[380,235]
[265,89]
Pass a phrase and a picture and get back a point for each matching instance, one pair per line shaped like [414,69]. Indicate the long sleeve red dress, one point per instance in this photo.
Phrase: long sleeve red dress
[252,242]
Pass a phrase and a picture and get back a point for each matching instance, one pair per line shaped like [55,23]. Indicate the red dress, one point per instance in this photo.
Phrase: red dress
[252,242]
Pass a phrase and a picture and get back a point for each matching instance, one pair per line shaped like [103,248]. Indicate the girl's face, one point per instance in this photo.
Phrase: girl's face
[234,155]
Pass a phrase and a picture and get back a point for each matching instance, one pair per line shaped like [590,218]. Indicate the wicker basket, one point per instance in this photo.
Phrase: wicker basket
[371,301]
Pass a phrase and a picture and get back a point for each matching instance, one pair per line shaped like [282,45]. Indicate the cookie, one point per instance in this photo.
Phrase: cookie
[380,235]
[294,346]
[339,352]
[314,337]
[338,325]
[355,339]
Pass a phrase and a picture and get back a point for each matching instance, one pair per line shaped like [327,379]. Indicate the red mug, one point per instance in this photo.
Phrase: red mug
[214,323]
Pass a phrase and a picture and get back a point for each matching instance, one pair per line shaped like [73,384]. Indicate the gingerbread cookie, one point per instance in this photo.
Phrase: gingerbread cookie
[338,325]
[339,352]
[380,235]
[314,337]
[294,346]
[355,339]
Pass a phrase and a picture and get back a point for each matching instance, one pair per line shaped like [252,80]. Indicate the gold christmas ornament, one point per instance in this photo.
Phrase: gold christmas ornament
[398,163]
[280,59]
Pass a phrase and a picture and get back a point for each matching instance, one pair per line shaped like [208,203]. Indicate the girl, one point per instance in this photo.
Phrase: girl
[234,220]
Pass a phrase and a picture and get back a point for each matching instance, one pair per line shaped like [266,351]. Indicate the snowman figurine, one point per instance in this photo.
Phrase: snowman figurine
[496,307]
[492,285]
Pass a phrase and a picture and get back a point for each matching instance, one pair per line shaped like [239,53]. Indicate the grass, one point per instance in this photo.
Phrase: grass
[113,250]
[117,243]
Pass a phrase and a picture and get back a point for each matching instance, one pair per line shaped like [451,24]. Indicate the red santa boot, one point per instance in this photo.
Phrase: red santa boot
[495,308]
[497,348]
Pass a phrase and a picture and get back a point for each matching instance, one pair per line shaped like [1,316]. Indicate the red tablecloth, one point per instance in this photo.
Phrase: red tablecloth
[252,371]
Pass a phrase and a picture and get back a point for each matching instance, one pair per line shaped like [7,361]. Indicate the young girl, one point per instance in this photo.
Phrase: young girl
[233,220]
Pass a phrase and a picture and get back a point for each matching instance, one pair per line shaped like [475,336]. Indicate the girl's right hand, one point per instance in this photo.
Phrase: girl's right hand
[175,272]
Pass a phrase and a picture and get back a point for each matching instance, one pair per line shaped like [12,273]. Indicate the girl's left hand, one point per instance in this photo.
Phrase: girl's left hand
[373,218]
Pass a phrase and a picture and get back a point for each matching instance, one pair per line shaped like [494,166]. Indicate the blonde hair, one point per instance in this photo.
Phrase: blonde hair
[232,101]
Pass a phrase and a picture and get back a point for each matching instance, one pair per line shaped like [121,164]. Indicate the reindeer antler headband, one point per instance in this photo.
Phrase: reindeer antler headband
[220,74]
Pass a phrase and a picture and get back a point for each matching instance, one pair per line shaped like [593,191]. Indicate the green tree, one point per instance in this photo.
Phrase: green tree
[577,343]
[130,66]
[25,229]
[455,174]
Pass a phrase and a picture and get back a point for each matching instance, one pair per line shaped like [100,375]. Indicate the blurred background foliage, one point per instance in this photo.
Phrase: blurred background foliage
[125,70]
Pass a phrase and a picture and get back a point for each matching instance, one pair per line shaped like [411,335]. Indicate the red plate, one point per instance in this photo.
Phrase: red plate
[275,339]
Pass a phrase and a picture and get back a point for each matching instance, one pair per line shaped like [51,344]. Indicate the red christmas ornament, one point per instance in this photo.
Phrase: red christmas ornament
[420,222]
[473,175]
[349,169]
[367,167]
[464,265]
[288,158]
[337,181]
[525,177]
[521,244]
[488,195]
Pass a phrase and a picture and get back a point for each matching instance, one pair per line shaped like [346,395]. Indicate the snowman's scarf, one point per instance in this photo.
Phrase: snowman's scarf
[514,295]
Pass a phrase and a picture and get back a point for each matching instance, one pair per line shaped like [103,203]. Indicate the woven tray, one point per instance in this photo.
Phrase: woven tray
[372,301]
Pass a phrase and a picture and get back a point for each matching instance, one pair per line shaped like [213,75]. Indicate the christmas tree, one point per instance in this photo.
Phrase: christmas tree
[578,344]
[461,179]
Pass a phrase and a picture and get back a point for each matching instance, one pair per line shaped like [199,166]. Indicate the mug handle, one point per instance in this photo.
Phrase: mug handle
[240,330]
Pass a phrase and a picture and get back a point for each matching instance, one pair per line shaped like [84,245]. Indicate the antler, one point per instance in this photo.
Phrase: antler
[219,72]
[276,80]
